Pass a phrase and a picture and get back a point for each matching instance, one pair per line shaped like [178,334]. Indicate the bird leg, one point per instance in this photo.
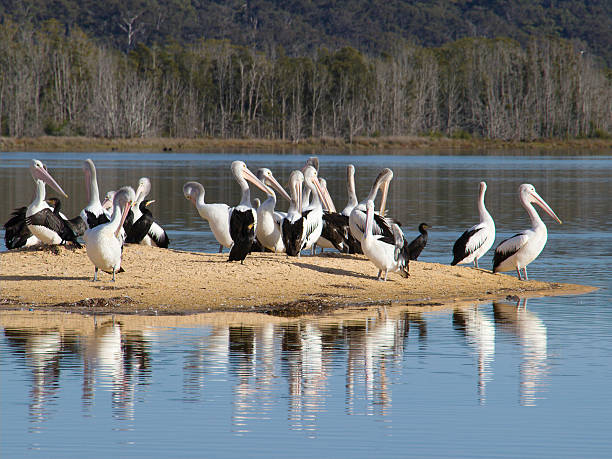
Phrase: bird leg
[476,263]
[379,273]
[386,271]
[525,271]
[95,274]
[518,271]
[113,275]
[220,248]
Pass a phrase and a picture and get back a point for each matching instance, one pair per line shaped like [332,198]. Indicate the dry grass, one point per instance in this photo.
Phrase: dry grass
[52,144]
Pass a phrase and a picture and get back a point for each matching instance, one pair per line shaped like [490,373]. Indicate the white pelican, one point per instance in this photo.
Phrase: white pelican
[155,235]
[44,226]
[417,245]
[292,225]
[387,254]
[217,215]
[243,217]
[522,248]
[381,225]
[476,241]
[93,214]
[350,189]
[268,229]
[103,243]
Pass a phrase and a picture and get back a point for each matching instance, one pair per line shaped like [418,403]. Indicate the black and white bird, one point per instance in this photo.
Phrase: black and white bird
[311,218]
[103,242]
[477,240]
[381,225]
[417,245]
[243,217]
[292,225]
[39,216]
[268,230]
[155,235]
[387,253]
[521,249]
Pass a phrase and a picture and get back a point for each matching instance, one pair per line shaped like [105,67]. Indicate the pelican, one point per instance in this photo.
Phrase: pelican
[93,214]
[268,229]
[522,248]
[418,244]
[103,244]
[217,215]
[155,235]
[243,217]
[292,225]
[381,225]
[312,216]
[387,254]
[37,224]
[350,189]
[476,241]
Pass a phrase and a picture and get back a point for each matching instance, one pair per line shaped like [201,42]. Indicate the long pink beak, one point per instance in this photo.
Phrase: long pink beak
[537,199]
[43,174]
[124,215]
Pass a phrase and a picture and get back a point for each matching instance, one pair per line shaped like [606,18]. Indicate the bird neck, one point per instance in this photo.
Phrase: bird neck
[482,210]
[94,193]
[40,194]
[536,221]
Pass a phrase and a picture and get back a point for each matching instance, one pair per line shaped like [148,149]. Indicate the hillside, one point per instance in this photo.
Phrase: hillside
[301,27]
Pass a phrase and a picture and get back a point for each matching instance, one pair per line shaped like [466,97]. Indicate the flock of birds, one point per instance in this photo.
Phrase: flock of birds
[310,221]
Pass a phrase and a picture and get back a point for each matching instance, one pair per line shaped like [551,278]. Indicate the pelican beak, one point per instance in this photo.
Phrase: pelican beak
[298,194]
[278,187]
[248,175]
[537,199]
[323,195]
[43,174]
[383,199]
[124,215]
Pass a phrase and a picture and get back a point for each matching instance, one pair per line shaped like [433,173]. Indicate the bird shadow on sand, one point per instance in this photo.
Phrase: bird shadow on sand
[41,278]
[335,271]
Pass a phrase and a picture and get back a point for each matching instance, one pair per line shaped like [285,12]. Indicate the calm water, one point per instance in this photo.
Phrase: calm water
[486,381]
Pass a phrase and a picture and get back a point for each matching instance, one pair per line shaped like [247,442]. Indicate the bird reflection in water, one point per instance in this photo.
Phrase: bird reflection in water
[532,336]
[479,332]
[111,360]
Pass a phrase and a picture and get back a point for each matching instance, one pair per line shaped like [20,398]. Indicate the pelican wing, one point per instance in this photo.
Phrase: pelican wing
[159,236]
[139,229]
[16,231]
[310,225]
[54,222]
[509,247]
[94,220]
[470,241]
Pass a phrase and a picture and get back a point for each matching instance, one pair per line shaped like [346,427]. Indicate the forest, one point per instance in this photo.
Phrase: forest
[59,80]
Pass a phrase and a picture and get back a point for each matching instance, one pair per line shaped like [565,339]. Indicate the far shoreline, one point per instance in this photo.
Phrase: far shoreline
[433,144]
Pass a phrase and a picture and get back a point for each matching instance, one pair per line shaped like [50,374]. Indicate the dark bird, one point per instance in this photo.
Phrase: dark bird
[76,224]
[16,232]
[418,244]
[53,221]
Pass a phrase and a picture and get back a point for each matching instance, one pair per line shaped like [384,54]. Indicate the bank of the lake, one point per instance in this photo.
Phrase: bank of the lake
[323,144]
[159,281]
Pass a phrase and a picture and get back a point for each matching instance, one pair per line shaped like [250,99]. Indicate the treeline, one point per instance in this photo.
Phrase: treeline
[61,82]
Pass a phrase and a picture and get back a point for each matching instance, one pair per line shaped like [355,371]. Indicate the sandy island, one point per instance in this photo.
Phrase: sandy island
[161,281]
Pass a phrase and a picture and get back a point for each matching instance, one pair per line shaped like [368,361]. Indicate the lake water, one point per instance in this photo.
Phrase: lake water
[488,380]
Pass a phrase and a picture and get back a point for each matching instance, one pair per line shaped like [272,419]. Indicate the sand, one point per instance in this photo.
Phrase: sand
[161,281]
